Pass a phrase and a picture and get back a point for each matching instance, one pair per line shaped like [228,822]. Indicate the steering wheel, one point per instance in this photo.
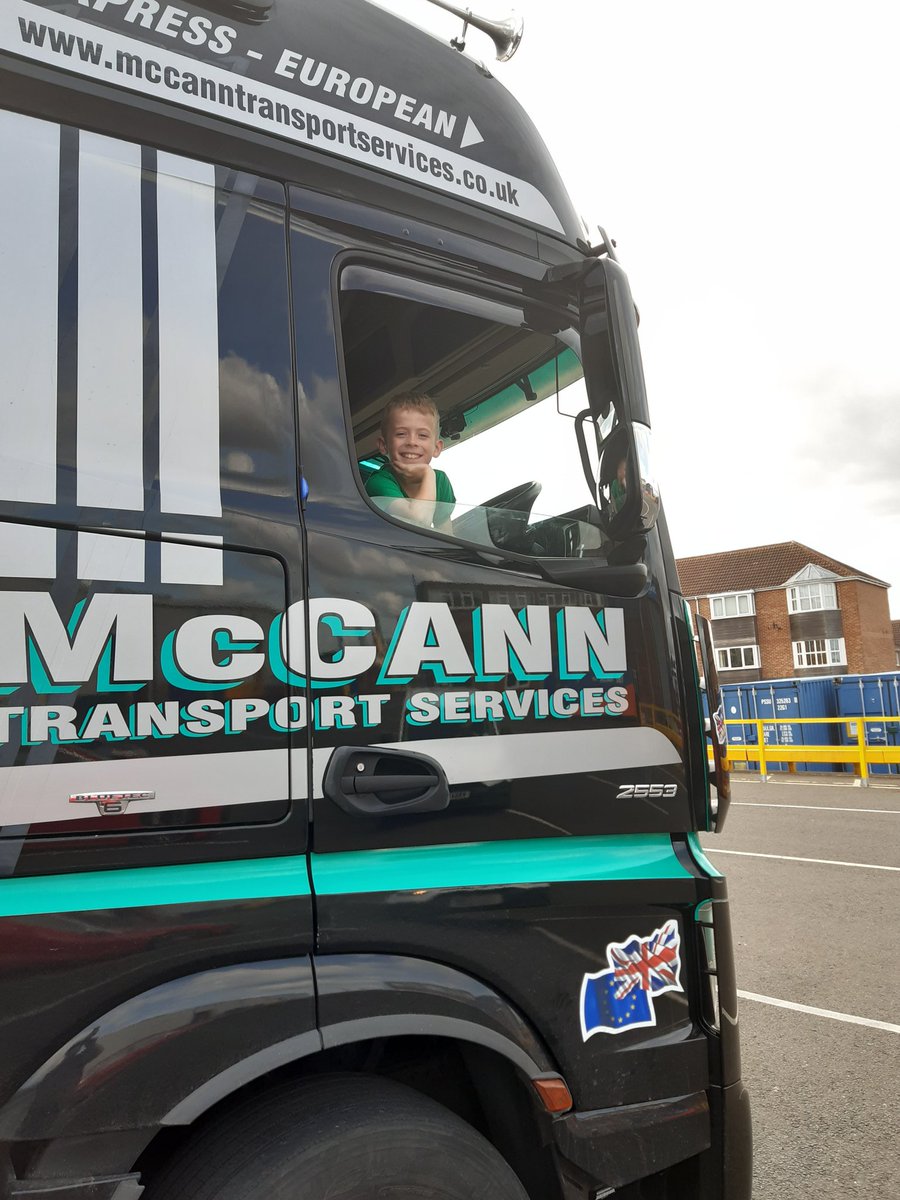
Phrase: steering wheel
[518,499]
[507,516]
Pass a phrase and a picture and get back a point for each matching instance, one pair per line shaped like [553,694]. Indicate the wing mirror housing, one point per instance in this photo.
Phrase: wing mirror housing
[610,346]
[628,494]
[627,490]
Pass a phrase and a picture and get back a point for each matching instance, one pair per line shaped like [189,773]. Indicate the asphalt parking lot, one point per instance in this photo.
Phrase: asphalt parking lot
[814,879]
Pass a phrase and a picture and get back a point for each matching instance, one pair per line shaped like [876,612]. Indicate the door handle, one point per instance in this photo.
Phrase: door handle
[369,781]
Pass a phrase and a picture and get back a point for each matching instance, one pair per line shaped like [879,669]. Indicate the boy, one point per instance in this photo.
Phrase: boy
[410,438]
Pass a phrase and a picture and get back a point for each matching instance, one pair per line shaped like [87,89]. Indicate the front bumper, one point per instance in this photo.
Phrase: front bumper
[614,1147]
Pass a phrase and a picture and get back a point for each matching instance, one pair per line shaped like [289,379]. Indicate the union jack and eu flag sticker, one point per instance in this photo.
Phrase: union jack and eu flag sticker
[621,997]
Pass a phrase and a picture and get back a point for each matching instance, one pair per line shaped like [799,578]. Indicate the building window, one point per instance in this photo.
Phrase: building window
[737,658]
[735,604]
[820,652]
[811,597]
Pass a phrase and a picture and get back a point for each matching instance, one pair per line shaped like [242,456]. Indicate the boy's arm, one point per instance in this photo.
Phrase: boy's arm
[446,499]
[419,484]
[416,504]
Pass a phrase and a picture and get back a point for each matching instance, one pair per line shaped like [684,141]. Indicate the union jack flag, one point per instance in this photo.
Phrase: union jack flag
[719,724]
[621,997]
[648,963]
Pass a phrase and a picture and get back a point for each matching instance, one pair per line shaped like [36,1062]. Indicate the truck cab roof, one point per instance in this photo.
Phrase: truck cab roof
[348,80]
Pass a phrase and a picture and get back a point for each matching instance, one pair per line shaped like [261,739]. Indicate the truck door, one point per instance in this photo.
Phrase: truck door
[525,724]
[151,825]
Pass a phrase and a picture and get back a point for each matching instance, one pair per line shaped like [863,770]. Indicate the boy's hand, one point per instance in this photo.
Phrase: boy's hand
[418,479]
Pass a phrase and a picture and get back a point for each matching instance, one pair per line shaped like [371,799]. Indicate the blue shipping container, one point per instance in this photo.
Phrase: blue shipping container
[781,699]
[870,696]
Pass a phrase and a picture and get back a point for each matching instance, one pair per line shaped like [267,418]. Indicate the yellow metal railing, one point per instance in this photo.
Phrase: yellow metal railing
[861,755]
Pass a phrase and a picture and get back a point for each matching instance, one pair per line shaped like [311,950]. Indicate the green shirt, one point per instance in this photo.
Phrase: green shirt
[385,483]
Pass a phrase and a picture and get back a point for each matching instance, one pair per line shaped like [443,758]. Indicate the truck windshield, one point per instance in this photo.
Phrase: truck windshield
[487,403]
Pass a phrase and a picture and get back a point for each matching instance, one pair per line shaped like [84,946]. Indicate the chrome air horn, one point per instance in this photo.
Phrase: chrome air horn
[506,34]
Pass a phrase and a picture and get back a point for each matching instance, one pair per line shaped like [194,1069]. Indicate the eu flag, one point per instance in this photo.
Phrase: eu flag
[602,1010]
[640,968]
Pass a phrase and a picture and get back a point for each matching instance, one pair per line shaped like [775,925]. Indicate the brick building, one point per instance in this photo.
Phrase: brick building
[787,610]
[895,626]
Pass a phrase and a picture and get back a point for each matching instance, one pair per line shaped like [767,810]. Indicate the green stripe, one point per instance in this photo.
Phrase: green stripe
[190,883]
[476,864]
[492,864]
[700,858]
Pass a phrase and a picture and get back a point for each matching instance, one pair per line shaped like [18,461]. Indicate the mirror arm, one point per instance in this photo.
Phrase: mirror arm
[580,437]
[607,246]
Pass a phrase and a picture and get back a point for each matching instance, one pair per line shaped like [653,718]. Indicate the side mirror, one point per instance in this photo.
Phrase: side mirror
[598,353]
[610,348]
[627,491]
[715,722]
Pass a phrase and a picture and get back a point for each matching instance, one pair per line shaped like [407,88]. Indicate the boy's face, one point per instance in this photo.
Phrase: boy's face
[411,439]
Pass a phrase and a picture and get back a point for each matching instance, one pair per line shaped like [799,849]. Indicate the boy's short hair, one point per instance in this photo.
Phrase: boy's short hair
[420,401]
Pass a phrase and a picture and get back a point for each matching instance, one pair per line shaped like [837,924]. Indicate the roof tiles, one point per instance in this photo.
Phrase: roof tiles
[756,568]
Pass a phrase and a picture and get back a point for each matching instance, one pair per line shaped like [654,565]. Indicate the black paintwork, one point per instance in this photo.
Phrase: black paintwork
[414,565]
[362,996]
[167,1054]
[60,974]
[484,947]
[534,943]
[725,1056]
[620,1145]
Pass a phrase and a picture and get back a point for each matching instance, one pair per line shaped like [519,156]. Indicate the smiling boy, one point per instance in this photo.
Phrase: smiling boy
[410,438]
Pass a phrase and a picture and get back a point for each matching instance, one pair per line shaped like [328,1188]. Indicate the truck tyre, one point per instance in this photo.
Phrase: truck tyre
[337,1138]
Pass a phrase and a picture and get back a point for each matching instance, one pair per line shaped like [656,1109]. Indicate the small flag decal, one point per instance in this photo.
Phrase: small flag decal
[621,997]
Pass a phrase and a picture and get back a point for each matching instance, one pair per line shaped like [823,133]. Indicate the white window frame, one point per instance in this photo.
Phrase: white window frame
[816,595]
[744,666]
[737,597]
[804,657]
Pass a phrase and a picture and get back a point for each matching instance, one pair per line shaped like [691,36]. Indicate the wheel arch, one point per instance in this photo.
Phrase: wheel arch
[127,1093]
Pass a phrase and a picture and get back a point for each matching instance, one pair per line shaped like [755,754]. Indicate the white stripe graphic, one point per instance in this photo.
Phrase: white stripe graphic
[109,558]
[530,203]
[27,551]
[188,339]
[199,564]
[847,1018]
[525,755]
[110,326]
[40,793]
[29,273]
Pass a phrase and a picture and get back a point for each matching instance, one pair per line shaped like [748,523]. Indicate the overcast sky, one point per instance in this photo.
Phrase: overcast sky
[745,159]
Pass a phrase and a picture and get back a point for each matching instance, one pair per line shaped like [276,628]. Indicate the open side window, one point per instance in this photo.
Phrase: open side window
[490,398]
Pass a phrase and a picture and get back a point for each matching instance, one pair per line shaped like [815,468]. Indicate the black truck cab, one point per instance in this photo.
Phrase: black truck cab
[348,836]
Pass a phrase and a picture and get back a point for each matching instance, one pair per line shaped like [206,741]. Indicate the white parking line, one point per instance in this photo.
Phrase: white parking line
[812,807]
[821,1012]
[827,862]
